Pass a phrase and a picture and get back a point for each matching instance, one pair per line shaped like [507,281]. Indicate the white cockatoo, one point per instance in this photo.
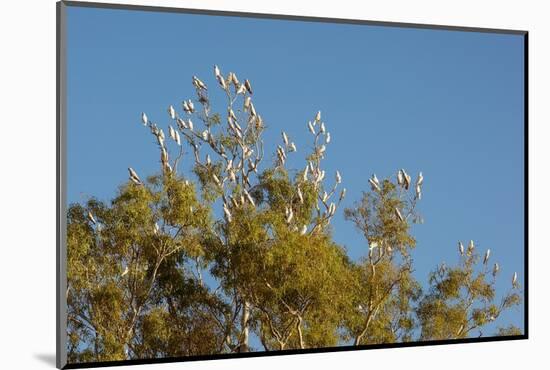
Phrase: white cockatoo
[461,248]
[198,83]
[248,86]
[486,257]
[144,119]
[172,112]
[304,230]
[496,268]
[327,138]
[134,176]
[420,179]
[311,128]
[318,117]
[342,195]
[91,218]
[338,177]
[285,138]
[400,179]
[471,247]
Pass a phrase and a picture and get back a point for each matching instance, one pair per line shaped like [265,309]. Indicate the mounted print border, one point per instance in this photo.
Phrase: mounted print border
[62,198]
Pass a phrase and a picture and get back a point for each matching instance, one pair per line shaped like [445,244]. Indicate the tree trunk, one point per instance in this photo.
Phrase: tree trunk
[243,347]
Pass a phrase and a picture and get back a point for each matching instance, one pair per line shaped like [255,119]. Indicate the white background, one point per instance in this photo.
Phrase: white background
[27,185]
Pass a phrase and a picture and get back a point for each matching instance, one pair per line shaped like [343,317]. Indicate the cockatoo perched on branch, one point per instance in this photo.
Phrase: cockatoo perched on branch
[134,176]
[198,83]
[91,218]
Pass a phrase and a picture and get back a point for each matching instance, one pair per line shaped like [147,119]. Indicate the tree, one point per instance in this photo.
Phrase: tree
[185,264]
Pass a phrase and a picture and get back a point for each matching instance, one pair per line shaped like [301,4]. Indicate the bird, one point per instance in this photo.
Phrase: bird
[471,247]
[338,177]
[248,87]
[144,119]
[342,195]
[327,138]
[241,89]
[178,139]
[325,197]
[375,179]
[221,81]
[172,112]
[191,106]
[190,124]
[246,103]
[400,179]
[252,110]
[496,267]
[233,78]
[292,147]
[461,248]
[318,116]
[205,135]
[374,185]
[418,192]
[216,71]
[125,271]
[181,124]
[407,179]
[304,230]
[331,209]
[134,176]
[285,138]
[91,218]
[322,128]
[232,115]
[198,83]
[208,160]
[156,228]
[398,214]
[172,133]
[420,179]
[486,258]
[515,280]
[311,128]
[373,245]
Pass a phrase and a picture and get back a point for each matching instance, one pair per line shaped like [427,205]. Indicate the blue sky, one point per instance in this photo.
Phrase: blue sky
[447,103]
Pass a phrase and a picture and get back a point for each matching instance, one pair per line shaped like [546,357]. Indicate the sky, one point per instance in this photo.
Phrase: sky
[447,103]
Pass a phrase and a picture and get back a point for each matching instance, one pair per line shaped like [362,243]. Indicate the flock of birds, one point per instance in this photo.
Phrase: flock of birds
[496,268]
[312,171]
